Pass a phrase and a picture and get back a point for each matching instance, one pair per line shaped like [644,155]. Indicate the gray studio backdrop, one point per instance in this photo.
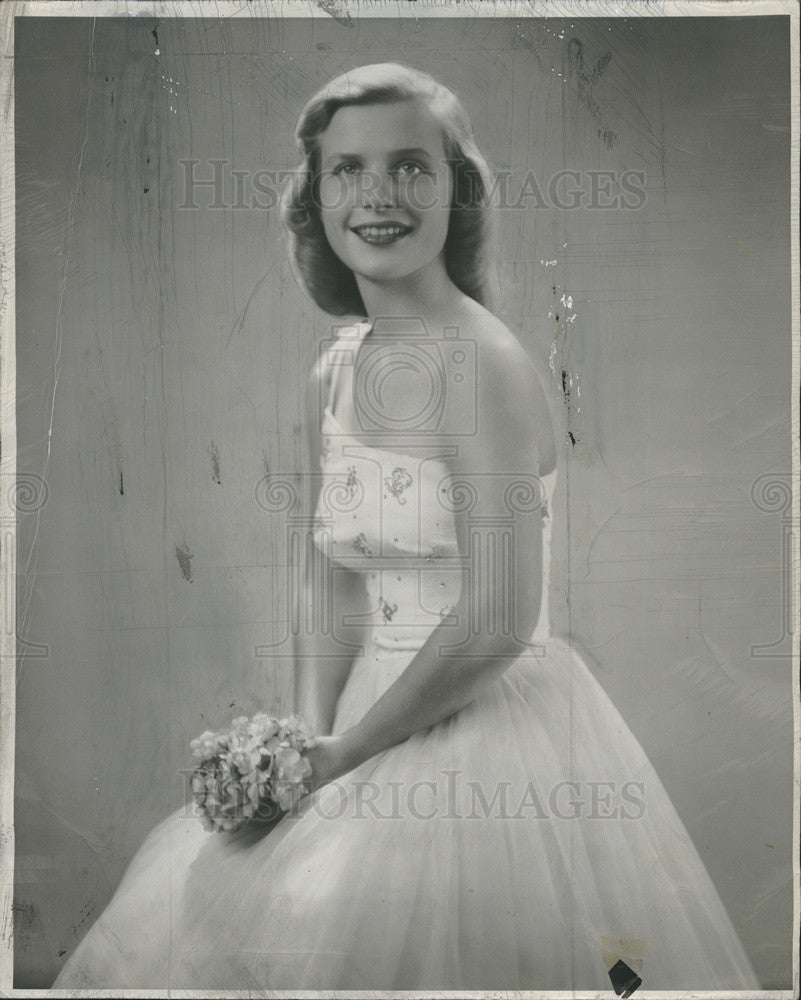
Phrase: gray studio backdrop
[162,351]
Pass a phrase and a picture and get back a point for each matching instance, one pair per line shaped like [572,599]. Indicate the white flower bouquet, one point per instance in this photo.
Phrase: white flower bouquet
[251,771]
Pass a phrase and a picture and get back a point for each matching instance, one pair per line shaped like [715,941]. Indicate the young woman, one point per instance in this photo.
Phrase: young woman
[481,816]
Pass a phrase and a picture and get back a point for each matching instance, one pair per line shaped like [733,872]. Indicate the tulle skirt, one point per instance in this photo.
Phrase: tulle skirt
[525,843]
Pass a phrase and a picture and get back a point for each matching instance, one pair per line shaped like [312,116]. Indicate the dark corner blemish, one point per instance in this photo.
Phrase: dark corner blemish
[624,979]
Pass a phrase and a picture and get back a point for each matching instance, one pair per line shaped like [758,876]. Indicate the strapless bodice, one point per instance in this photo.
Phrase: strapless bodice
[390,516]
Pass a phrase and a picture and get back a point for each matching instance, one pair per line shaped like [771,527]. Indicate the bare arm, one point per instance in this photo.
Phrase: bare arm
[494,619]
[325,653]
[324,647]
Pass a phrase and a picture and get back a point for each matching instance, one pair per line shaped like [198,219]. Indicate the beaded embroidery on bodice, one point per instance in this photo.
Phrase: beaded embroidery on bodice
[386,514]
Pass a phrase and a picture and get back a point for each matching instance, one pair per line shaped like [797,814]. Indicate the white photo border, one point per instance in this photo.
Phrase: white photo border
[262,9]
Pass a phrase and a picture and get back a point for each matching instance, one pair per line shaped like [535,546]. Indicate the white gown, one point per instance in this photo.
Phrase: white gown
[461,859]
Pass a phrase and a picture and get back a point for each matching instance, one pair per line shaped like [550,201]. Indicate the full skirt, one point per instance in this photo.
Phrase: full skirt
[524,843]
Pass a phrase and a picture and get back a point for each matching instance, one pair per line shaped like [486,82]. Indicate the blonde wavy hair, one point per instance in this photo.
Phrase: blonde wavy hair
[322,275]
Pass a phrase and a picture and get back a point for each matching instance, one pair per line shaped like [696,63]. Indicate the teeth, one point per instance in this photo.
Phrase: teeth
[382,230]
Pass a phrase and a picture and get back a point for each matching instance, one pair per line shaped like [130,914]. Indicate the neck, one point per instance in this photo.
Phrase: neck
[426,293]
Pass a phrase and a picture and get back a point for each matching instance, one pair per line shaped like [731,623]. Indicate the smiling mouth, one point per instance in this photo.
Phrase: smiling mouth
[381,235]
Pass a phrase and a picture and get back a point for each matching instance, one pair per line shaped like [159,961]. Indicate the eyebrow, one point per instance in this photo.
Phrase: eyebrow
[394,154]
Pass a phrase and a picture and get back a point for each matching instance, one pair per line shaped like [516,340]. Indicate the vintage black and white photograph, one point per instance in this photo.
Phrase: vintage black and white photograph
[400,463]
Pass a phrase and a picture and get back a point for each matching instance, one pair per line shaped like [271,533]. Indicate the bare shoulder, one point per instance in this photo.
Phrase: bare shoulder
[509,384]
[499,349]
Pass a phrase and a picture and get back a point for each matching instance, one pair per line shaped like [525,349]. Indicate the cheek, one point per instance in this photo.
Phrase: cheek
[333,197]
[427,195]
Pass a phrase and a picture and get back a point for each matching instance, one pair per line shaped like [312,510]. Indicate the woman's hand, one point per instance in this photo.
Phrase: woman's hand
[329,759]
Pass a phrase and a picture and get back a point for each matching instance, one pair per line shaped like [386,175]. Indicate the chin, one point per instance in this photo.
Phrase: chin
[390,268]
[389,272]
[381,263]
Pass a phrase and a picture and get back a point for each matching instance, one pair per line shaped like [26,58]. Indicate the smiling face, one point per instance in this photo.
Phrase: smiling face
[385,189]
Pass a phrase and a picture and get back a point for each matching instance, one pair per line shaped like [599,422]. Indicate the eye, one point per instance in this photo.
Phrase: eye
[410,167]
[346,168]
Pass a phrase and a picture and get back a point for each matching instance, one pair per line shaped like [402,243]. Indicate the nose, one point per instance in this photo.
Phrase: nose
[380,190]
